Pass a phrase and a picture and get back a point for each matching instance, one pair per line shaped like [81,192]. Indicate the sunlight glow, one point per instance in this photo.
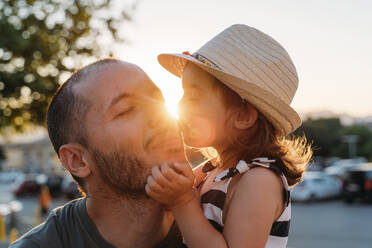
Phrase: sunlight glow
[172,108]
[172,96]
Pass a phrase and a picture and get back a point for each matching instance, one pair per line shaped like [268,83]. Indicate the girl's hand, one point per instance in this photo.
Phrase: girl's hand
[171,184]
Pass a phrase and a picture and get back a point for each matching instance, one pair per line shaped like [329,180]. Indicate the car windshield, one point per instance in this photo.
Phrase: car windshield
[317,180]
[302,184]
[369,175]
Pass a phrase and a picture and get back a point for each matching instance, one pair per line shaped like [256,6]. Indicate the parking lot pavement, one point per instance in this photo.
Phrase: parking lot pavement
[331,224]
[327,224]
[27,218]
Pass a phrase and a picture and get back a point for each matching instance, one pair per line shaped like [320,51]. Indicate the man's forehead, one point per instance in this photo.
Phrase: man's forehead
[110,79]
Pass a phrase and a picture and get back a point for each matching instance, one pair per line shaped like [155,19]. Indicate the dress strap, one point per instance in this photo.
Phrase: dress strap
[243,166]
[208,167]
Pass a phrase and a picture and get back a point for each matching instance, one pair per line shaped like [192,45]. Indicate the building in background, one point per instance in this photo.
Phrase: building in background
[31,153]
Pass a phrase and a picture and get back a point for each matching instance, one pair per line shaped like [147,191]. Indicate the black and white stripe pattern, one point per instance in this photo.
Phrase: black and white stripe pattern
[213,201]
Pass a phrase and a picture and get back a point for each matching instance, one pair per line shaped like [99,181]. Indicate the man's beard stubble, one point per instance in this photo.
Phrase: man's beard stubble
[123,172]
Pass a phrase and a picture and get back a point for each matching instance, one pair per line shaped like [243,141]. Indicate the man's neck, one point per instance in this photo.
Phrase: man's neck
[127,222]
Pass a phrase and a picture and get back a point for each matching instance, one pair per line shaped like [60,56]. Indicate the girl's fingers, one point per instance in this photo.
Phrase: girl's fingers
[159,177]
[186,182]
[153,194]
[150,192]
[153,184]
[185,168]
[179,181]
[169,173]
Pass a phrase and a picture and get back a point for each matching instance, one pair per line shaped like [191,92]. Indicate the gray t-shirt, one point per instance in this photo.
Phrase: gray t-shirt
[70,226]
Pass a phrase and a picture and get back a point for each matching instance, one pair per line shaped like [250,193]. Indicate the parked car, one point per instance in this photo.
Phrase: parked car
[340,167]
[54,183]
[29,184]
[316,186]
[358,184]
[70,188]
[8,177]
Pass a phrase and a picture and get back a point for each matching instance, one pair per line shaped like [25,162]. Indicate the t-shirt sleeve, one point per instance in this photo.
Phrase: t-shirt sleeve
[42,236]
[24,243]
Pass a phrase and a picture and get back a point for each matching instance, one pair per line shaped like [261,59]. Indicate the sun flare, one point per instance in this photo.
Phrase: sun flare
[172,108]
[172,96]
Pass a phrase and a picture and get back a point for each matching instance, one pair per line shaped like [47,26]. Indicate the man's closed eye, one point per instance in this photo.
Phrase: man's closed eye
[124,112]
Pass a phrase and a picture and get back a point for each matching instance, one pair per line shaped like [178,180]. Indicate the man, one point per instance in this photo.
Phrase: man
[109,128]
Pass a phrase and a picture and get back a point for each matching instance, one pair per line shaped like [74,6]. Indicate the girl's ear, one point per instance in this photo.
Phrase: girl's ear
[246,117]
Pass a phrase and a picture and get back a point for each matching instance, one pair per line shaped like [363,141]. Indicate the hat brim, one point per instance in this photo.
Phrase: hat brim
[280,114]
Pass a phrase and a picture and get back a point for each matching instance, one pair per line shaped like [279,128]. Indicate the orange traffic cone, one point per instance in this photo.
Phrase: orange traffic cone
[13,235]
[2,229]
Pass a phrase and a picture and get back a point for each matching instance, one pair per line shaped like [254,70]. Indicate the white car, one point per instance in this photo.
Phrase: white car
[315,186]
[10,176]
[10,210]
[340,167]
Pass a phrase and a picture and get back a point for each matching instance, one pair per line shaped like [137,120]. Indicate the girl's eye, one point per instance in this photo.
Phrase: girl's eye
[192,94]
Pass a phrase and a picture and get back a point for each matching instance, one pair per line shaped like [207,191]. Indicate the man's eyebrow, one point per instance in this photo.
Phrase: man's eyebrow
[118,98]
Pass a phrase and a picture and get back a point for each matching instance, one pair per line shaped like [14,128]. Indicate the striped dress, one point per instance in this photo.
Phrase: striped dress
[214,199]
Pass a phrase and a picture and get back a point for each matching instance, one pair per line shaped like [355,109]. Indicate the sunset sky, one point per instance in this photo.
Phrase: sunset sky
[330,43]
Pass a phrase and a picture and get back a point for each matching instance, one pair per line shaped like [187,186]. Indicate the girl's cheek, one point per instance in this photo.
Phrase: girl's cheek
[199,132]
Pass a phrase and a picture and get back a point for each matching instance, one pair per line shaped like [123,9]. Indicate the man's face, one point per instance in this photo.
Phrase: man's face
[128,129]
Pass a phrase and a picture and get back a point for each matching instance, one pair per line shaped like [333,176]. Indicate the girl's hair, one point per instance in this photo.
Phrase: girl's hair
[294,152]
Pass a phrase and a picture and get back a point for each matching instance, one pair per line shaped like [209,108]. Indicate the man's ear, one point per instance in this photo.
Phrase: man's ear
[74,158]
[246,117]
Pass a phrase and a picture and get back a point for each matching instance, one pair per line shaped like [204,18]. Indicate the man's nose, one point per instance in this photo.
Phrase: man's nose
[158,115]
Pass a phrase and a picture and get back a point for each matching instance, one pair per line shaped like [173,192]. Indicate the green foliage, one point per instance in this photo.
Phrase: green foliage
[327,135]
[42,42]
[364,143]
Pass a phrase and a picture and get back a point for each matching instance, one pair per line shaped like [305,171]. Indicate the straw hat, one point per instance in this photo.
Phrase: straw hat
[253,65]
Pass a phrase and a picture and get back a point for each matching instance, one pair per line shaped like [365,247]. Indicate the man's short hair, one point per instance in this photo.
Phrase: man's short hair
[67,110]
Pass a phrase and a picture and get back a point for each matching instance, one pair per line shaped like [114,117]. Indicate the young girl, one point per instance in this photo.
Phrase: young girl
[237,92]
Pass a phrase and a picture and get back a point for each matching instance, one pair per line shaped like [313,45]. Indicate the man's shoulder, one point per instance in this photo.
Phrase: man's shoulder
[25,242]
[48,234]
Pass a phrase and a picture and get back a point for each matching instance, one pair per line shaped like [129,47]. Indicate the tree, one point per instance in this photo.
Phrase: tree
[42,42]
[328,137]
[364,142]
[325,133]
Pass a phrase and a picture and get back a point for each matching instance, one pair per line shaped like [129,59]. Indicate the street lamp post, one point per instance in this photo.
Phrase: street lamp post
[351,140]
